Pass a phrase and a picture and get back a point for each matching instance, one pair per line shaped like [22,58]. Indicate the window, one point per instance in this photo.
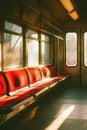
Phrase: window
[13,27]
[0,48]
[0,56]
[32,48]
[13,46]
[45,49]
[85,48]
[71,49]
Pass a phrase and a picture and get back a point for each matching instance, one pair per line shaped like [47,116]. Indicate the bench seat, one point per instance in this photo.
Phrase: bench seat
[20,87]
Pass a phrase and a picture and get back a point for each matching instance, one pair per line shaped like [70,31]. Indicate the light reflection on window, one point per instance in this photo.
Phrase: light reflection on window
[32,34]
[12,27]
[0,56]
[85,48]
[32,48]
[13,46]
[13,51]
[44,38]
[45,49]
[71,49]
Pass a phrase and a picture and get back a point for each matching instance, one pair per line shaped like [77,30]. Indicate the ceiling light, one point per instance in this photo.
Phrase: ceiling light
[67,4]
[74,15]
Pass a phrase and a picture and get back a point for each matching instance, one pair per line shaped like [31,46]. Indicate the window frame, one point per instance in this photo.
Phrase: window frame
[12,33]
[76,51]
[36,39]
[46,42]
[84,49]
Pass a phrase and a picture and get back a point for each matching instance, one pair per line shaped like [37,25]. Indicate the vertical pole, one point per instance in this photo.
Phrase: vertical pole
[80,64]
[58,56]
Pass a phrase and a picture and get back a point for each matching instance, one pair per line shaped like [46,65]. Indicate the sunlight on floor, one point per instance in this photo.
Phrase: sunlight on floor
[60,119]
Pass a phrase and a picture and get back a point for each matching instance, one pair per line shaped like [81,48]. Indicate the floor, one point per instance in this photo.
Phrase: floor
[62,109]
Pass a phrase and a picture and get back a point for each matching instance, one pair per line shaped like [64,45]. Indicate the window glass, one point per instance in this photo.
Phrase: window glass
[32,34]
[85,48]
[45,53]
[71,49]
[44,38]
[13,51]
[32,48]
[13,46]
[45,49]
[12,27]
[0,56]
[0,47]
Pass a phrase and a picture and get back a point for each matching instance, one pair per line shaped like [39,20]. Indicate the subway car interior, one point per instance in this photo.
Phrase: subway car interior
[43,64]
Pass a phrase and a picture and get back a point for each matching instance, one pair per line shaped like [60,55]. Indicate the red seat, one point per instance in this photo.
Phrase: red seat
[34,75]
[16,79]
[23,83]
[2,85]
[18,84]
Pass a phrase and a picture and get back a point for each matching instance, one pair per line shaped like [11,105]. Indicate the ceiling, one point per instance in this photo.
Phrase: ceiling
[82,8]
[53,7]
[61,14]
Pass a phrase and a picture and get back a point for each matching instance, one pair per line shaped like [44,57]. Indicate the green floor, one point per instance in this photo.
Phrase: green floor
[62,109]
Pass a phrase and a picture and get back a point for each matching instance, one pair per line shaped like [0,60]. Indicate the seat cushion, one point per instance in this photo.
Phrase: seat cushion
[34,75]
[2,85]
[16,79]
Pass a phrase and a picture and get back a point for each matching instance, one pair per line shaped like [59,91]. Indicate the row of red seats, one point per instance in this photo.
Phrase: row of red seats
[19,85]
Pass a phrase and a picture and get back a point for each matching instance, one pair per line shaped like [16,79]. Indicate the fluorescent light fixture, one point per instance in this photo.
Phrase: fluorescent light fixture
[74,15]
[67,4]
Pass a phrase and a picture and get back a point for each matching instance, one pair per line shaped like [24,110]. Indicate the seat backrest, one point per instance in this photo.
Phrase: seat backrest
[44,71]
[16,79]
[53,70]
[2,85]
[34,74]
